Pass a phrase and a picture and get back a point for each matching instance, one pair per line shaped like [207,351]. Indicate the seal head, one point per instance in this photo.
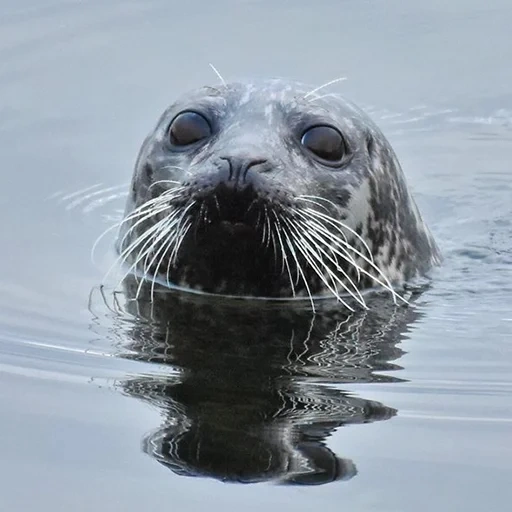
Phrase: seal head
[271,190]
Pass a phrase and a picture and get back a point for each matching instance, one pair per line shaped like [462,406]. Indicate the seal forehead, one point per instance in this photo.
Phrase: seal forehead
[274,91]
[266,95]
[302,101]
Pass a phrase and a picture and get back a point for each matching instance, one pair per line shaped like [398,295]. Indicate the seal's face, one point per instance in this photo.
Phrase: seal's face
[270,190]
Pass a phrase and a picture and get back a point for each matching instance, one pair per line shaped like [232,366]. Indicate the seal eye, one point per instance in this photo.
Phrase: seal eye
[325,142]
[187,128]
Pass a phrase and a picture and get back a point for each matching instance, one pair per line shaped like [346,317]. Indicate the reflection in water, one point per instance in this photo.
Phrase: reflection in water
[255,389]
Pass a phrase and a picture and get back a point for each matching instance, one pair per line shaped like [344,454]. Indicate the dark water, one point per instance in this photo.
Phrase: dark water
[120,409]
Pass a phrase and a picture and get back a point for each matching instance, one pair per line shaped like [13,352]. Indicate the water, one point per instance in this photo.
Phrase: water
[410,409]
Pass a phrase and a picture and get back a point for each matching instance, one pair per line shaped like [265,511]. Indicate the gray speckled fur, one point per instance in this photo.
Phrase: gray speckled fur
[264,120]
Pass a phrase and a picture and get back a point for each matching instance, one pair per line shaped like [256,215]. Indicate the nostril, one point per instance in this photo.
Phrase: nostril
[240,167]
[259,165]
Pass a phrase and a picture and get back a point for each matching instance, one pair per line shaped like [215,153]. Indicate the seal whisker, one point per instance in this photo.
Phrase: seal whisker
[270,235]
[262,226]
[123,255]
[356,294]
[171,243]
[102,201]
[149,209]
[272,238]
[293,254]
[319,88]
[166,229]
[202,216]
[283,253]
[387,285]
[180,235]
[147,239]
[218,74]
[340,226]
[170,182]
[146,217]
[144,255]
[217,205]
[144,213]
[117,225]
[79,192]
[314,200]
[164,232]
[148,235]
[299,267]
[314,250]
[165,198]
[303,248]
[317,200]
[100,238]
[170,167]
[84,197]
[179,240]
[164,251]
[306,215]
[334,243]
[340,244]
[322,96]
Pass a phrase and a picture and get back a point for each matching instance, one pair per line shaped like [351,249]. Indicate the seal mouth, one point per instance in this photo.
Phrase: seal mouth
[227,249]
[233,211]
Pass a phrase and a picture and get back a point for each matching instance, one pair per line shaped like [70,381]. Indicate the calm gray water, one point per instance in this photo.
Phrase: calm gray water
[104,411]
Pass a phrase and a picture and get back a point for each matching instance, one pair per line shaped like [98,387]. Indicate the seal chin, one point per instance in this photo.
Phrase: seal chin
[237,229]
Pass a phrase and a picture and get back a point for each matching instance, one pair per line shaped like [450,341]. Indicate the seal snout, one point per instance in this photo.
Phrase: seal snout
[236,192]
[242,171]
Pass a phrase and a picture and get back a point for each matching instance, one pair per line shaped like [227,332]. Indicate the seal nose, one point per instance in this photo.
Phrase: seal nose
[242,171]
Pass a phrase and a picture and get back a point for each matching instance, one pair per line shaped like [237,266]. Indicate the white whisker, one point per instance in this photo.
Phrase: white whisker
[319,88]
[182,217]
[218,74]
[303,248]
[312,250]
[170,182]
[283,252]
[314,200]
[179,239]
[299,267]
[67,197]
[340,226]
[103,200]
[320,233]
[136,213]
[83,198]
[147,239]
[166,229]
[307,235]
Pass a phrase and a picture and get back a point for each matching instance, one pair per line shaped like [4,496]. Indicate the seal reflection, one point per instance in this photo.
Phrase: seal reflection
[257,392]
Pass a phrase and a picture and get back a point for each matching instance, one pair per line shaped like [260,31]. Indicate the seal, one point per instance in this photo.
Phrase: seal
[271,189]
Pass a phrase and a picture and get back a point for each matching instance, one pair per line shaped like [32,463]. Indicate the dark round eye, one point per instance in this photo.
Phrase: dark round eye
[187,128]
[325,142]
